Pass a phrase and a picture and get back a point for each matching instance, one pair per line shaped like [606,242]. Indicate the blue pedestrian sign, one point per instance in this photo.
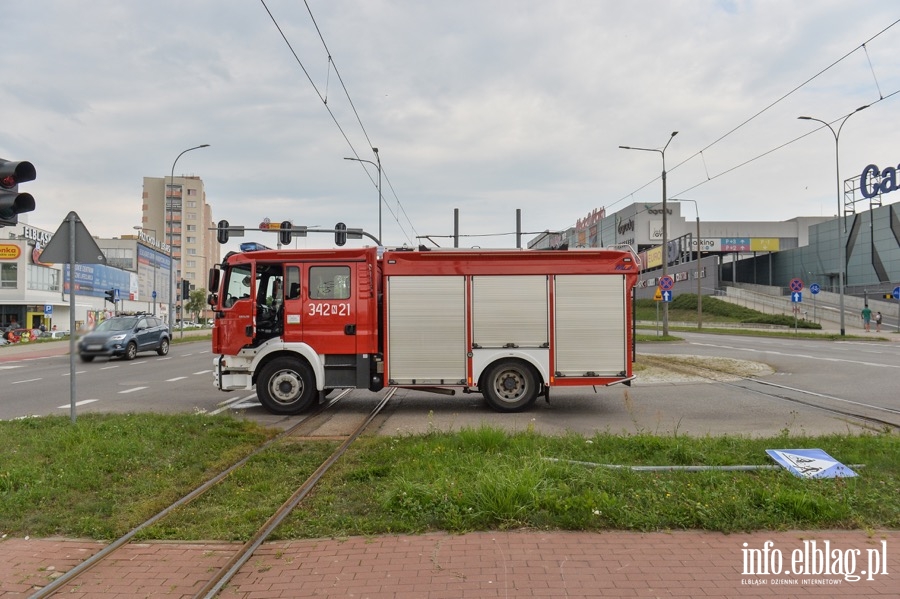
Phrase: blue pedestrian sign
[666,283]
[814,288]
[810,463]
[154,295]
[896,293]
[796,297]
[667,296]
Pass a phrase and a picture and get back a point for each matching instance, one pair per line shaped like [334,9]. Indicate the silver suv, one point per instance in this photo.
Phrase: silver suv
[125,336]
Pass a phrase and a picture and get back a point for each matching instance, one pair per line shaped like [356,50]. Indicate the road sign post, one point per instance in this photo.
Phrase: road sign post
[796,298]
[72,244]
[896,294]
[814,289]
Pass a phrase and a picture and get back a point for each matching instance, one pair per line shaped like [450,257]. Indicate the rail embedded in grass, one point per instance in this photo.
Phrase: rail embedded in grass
[91,480]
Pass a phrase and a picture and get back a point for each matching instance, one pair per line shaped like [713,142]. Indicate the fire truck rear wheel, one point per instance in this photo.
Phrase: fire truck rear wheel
[510,386]
[286,386]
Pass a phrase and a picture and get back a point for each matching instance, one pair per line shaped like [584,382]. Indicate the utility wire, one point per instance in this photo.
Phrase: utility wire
[333,65]
[759,113]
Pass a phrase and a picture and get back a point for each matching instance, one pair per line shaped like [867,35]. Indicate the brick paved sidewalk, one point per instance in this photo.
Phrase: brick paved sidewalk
[477,565]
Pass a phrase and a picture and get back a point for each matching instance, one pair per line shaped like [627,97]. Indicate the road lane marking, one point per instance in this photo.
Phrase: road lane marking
[177,378]
[204,372]
[795,355]
[108,367]
[83,402]
[25,381]
[132,390]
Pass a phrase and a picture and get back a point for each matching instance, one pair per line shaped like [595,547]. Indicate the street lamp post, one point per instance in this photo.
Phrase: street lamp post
[169,201]
[378,166]
[699,289]
[153,294]
[837,169]
[665,233]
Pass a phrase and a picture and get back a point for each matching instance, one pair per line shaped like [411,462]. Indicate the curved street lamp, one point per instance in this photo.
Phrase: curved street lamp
[378,166]
[837,169]
[169,201]
[665,235]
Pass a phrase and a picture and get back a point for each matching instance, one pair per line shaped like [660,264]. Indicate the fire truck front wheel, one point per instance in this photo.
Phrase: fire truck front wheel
[286,386]
[510,386]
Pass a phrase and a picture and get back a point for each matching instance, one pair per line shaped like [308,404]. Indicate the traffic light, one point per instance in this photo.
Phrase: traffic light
[185,290]
[110,296]
[222,232]
[285,232]
[340,234]
[13,203]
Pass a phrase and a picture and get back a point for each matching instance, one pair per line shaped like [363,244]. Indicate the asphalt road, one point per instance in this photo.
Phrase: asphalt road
[37,384]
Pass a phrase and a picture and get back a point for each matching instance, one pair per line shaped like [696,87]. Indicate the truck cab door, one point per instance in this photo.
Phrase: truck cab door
[235,323]
[321,306]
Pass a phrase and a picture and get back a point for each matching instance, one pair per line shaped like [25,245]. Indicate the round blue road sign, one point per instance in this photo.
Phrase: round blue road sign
[814,288]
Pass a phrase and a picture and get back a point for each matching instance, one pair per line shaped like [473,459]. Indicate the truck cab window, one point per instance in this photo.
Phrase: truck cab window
[329,282]
[292,280]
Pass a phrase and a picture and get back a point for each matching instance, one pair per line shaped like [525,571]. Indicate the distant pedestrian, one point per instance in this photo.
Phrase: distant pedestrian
[878,322]
[866,316]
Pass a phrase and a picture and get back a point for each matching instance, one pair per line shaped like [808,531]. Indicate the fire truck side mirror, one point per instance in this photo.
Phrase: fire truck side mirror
[212,299]
[212,281]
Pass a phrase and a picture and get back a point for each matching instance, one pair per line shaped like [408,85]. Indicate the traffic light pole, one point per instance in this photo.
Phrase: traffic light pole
[225,230]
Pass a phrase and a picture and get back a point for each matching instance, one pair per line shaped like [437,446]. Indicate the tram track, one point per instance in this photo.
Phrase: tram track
[220,578]
[872,416]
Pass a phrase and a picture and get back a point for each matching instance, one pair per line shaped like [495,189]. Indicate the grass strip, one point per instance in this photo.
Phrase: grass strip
[106,474]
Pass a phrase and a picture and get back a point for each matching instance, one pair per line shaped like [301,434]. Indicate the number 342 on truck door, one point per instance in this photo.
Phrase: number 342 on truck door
[329,309]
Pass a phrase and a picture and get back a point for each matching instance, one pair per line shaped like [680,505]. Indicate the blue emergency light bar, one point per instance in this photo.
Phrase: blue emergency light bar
[252,246]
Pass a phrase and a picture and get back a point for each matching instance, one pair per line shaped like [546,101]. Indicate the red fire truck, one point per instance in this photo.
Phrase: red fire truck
[509,324]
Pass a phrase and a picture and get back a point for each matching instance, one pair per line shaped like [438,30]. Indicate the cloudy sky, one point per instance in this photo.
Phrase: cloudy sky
[487,106]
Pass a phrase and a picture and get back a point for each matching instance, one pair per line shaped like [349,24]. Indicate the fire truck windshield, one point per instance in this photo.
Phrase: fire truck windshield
[237,284]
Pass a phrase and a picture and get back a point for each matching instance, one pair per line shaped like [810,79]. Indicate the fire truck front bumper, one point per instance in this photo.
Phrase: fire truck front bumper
[230,377]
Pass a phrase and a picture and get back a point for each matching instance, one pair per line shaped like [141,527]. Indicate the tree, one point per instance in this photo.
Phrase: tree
[196,303]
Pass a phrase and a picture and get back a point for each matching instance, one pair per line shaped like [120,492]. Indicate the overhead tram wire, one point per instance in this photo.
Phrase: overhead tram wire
[759,113]
[324,101]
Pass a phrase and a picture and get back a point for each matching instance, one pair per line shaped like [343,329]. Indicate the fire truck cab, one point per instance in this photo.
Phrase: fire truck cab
[509,324]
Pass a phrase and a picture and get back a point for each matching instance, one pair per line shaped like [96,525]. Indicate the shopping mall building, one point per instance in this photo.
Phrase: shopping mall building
[762,253]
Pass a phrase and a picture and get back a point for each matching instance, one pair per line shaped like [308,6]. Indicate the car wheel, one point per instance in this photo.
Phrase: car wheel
[510,386]
[131,351]
[286,386]
[163,348]
[85,358]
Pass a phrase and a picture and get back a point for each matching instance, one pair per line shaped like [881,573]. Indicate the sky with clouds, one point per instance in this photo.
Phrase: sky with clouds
[487,106]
